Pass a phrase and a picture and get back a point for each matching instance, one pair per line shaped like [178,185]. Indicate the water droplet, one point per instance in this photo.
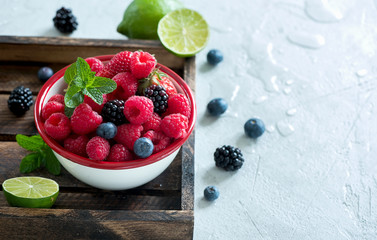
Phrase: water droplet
[270,128]
[260,99]
[284,128]
[307,40]
[287,91]
[321,11]
[291,112]
[362,73]
[235,92]
[289,82]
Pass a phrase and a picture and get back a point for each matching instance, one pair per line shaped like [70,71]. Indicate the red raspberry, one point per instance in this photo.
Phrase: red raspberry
[84,120]
[142,64]
[138,109]
[76,144]
[153,123]
[95,64]
[57,98]
[94,105]
[50,108]
[58,126]
[179,103]
[126,85]
[127,134]
[160,140]
[119,153]
[98,148]
[175,125]
[119,63]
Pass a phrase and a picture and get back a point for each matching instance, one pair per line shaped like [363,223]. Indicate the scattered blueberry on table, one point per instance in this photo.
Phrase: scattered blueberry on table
[20,100]
[217,106]
[211,193]
[44,74]
[143,147]
[254,128]
[107,130]
[214,57]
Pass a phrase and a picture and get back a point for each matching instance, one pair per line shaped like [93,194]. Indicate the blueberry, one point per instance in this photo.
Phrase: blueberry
[107,130]
[254,127]
[211,193]
[217,106]
[143,147]
[214,56]
[45,73]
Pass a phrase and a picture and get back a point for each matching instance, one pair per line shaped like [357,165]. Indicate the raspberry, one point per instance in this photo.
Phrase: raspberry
[96,107]
[159,97]
[153,123]
[76,144]
[138,109]
[119,153]
[126,85]
[50,108]
[113,112]
[58,126]
[64,20]
[98,148]
[175,125]
[127,134]
[57,98]
[142,64]
[160,140]
[95,64]
[179,103]
[84,120]
[119,63]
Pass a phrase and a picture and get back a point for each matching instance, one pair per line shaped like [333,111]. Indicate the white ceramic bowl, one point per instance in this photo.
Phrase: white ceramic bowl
[111,175]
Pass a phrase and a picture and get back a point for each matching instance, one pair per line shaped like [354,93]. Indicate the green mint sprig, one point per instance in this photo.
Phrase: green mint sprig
[82,81]
[41,155]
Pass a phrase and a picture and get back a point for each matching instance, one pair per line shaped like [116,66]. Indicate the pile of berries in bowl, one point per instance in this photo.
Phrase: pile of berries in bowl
[115,122]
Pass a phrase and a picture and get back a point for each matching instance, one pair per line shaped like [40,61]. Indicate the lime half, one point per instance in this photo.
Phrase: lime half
[183,32]
[31,192]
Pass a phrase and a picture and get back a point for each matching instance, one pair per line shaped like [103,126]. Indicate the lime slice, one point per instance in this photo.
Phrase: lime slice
[31,192]
[183,32]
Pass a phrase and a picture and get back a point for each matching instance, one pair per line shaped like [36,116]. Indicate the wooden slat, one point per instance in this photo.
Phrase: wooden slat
[66,50]
[89,224]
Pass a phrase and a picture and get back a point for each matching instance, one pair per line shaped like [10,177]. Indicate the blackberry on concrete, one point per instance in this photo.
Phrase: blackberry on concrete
[159,97]
[64,20]
[112,111]
[229,158]
[20,100]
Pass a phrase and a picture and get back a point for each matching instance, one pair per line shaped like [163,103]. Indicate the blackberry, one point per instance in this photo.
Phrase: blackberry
[20,100]
[64,20]
[112,111]
[159,97]
[228,157]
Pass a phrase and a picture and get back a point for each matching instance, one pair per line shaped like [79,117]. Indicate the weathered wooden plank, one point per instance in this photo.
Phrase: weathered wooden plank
[20,223]
[66,50]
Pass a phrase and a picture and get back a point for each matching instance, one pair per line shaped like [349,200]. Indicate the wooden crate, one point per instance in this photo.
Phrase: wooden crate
[160,209]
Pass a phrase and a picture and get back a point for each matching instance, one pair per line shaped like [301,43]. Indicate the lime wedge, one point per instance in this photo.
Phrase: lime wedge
[184,32]
[31,192]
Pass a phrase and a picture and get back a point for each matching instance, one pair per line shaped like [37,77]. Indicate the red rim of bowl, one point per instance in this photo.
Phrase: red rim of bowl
[112,165]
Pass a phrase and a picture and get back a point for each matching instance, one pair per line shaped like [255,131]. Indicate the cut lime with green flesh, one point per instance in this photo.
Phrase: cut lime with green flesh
[31,192]
[183,32]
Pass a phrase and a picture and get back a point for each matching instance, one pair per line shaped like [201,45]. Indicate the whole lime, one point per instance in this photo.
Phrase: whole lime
[141,17]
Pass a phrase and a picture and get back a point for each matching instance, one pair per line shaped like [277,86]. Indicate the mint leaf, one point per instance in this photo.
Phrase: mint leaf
[70,73]
[68,111]
[78,82]
[73,97]
[105,85]
[32,143]
[94,94]
[52,163]
[29,163]
[83,71]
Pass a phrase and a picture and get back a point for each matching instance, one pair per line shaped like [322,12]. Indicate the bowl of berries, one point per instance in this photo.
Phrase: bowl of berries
[115,122]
